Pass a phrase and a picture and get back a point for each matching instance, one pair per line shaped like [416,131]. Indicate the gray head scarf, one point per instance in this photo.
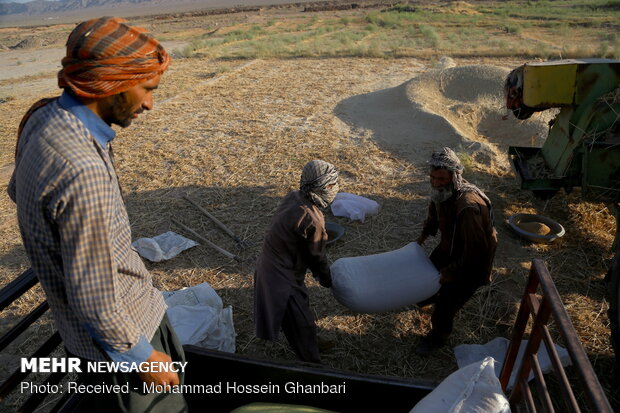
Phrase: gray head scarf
[316,176]
[447,159]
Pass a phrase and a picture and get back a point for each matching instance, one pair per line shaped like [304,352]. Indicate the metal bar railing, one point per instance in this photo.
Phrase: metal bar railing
[68,403]
[541,310]
[8,294]
[517,333]
[558,369]
[13,290]
[541,384]
[541,317]
[36,399]
[23,324]
[18,375]
[527,395]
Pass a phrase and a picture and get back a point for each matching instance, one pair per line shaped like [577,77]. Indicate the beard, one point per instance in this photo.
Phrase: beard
[443,193]
[122,111]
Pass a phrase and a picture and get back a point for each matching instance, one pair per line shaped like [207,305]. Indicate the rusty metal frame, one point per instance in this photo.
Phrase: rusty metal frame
[540,309]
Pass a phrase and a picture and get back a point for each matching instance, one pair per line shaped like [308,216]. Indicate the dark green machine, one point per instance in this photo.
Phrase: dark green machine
[583,145]
[582,148]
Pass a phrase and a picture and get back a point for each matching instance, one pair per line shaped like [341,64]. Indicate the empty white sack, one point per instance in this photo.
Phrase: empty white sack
[353,206]
[162,247]
[497,348]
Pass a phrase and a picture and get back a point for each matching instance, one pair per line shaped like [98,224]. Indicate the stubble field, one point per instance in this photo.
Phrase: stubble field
[235,121]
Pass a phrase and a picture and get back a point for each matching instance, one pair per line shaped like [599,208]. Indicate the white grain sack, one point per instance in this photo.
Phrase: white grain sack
[384,282]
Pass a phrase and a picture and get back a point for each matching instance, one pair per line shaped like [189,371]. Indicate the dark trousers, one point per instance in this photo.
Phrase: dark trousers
[448,301]
[136,400]
[299,328]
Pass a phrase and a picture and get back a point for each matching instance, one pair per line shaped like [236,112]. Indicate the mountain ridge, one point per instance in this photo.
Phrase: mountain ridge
[42,8]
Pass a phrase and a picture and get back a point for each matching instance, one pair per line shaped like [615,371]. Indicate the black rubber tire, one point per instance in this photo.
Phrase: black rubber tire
[613,294]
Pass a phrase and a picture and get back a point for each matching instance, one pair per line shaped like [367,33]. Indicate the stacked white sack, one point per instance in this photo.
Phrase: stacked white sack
[384,282]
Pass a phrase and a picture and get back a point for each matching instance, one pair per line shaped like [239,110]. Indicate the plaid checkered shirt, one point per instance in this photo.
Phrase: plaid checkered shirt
[76,232]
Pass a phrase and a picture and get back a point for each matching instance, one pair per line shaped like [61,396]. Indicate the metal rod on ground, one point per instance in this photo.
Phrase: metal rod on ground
[206,241]
[217,221]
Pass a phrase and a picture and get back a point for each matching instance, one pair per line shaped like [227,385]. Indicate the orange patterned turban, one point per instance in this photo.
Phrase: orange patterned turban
[106,56]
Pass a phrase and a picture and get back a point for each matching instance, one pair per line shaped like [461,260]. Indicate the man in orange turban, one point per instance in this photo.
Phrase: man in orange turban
[75,227]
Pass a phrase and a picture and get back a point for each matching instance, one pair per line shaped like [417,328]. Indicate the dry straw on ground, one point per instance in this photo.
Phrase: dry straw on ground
[236,140]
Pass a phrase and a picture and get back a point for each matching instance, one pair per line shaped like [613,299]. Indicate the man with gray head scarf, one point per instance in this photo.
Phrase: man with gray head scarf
[319,182]
[295,241]
[464,216]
